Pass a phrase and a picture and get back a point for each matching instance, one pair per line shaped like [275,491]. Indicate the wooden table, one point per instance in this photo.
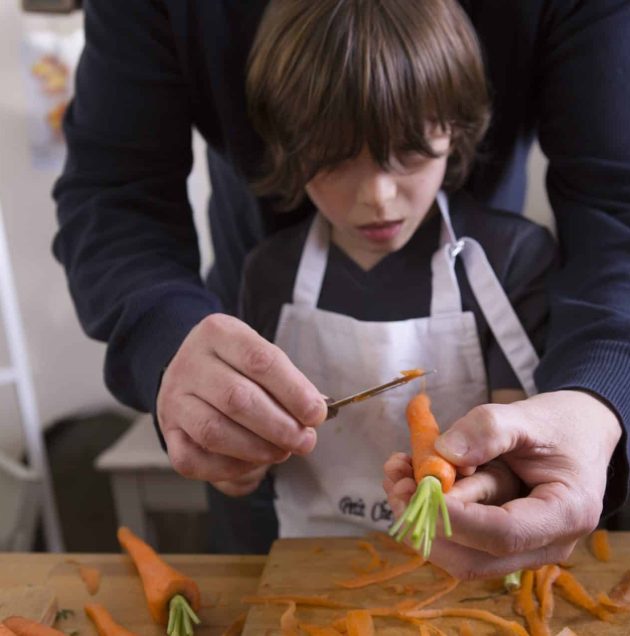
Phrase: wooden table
[223,580]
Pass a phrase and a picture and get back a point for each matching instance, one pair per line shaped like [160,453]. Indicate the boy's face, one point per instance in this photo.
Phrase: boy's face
[374,212]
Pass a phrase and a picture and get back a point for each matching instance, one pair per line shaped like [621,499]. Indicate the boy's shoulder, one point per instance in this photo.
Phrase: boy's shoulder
[510,240]
[482,222]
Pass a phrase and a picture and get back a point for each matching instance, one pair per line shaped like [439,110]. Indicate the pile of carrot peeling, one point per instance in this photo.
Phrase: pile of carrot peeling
[533,601]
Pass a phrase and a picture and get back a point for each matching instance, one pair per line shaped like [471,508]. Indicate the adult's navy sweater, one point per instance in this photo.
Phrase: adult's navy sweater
[154,69]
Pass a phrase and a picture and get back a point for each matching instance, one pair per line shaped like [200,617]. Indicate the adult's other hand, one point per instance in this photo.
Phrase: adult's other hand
[559,445]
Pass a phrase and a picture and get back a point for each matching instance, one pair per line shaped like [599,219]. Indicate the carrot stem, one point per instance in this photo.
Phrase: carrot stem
[181,617]
[513,581]
[420,517]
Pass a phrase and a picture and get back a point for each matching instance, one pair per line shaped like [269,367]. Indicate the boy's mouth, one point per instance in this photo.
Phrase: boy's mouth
[380,232]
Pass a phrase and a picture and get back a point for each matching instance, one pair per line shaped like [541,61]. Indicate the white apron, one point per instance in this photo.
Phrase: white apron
[337,489]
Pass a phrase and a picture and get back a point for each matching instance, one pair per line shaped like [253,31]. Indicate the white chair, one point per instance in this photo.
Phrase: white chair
[24,492]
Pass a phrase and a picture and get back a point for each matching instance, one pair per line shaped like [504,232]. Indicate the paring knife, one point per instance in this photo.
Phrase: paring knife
[406,376]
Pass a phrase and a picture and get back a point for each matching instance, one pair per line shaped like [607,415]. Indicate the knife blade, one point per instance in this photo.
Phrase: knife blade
[406,376]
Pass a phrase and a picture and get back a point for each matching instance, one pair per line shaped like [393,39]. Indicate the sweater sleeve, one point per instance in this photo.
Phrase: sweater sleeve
[584,130]
[126,235]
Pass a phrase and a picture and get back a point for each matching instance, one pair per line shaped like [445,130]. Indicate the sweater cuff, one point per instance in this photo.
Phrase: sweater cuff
[134,363]
[601,368]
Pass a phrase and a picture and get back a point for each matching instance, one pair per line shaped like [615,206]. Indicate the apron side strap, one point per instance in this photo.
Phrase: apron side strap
[500,315]
[312,268]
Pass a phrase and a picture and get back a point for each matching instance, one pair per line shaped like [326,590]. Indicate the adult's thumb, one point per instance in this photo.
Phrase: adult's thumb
[483,434]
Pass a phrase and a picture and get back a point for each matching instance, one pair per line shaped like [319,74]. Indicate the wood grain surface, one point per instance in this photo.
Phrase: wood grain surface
[223,581]
[313,566]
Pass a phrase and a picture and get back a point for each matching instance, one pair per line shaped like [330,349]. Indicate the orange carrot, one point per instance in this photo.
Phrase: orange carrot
[172,597]
[21,626]
[385,574]
[621,592]
[434,476]
[525,605]
[573,591]
[318,630]
[511,627]
[359,623]
[103,621]
[599,545]
[288,622]
[424,430]
[544,590]
[612,606]
[449,587]
[237,625]
[5,631]
[91,577]
[465,629]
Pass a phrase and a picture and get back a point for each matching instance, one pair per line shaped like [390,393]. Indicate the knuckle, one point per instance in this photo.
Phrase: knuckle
[486,420]
[238,399]
[183,465]
[259,359]
[211,435]
[215,323]
[513,541]
[463,572]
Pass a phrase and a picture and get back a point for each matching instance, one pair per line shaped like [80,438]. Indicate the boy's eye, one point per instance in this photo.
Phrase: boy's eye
[410,160]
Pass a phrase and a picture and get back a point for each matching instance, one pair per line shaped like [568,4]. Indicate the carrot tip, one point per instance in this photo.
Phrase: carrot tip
[181,617]
[421,514]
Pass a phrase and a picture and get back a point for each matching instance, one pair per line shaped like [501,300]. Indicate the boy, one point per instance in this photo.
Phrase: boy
[375,109]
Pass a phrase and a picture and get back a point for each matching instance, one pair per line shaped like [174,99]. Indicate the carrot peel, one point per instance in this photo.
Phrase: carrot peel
[420,516]
[181,617]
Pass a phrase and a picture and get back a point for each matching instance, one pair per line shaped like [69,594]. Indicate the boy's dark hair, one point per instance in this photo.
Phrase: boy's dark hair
[327,77]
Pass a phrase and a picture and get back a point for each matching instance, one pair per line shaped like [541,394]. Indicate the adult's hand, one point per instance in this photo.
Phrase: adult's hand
[231,403]
[559,445]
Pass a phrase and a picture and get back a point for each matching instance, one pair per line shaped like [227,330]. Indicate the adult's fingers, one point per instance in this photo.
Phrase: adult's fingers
[494,484]
[483,434]
[193,463]
[242,485]
[398,466]
[212,431]
[468,564]
[240,400]
[551,513]
[266,365]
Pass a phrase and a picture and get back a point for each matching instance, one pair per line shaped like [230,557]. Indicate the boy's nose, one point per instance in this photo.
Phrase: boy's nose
[377,189]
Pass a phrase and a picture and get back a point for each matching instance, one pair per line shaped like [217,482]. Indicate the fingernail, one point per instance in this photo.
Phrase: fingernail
[316,413]
[452,443]
[309,437]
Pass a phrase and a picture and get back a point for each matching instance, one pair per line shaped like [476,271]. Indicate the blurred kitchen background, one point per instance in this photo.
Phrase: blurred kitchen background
[99,478]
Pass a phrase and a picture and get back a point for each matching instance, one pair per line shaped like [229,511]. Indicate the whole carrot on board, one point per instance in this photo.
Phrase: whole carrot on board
[21,626]
[433,474]
[172,597]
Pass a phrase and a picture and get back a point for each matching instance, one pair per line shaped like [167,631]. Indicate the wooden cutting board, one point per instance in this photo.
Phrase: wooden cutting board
[312,566]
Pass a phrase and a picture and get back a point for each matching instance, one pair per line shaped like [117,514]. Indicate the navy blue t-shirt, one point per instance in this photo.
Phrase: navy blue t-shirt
[522,254]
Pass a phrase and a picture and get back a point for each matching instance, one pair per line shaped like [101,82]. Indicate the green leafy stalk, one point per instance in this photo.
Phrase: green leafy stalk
[421,514]
[181,617]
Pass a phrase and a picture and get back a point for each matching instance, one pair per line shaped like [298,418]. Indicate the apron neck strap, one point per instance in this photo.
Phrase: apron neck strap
[310,273]
[445,295]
